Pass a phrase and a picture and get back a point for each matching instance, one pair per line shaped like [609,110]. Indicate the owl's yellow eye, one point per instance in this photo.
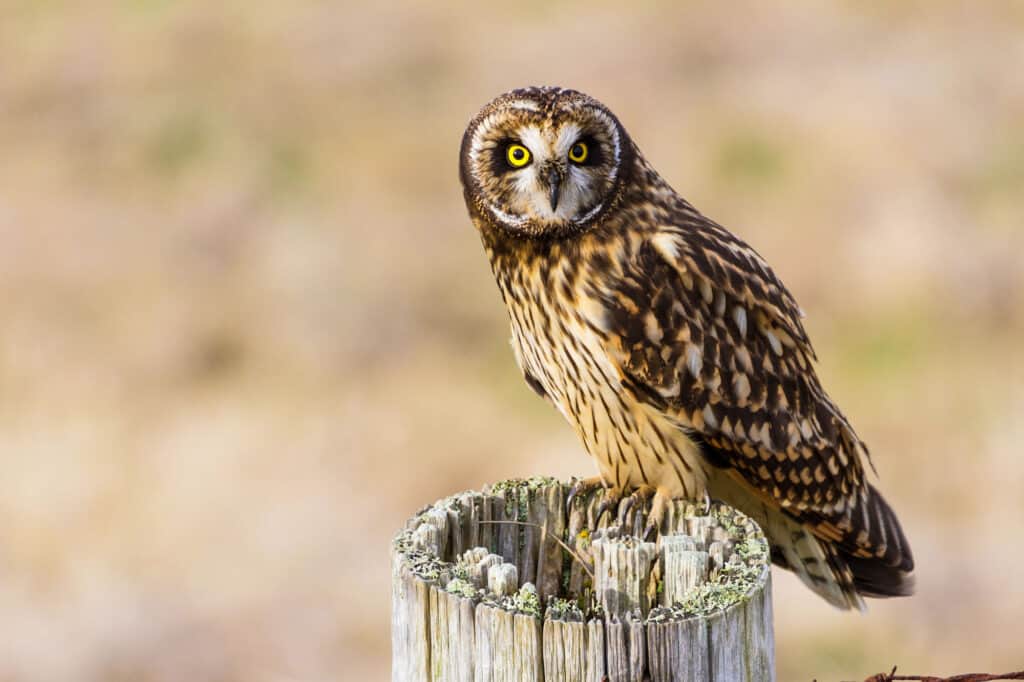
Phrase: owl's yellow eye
[579,152]
[517,155]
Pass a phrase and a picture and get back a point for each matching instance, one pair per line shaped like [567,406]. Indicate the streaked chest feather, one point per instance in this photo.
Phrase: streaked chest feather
[561,345]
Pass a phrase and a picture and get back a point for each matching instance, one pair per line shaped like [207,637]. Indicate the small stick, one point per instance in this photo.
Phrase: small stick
[567,548]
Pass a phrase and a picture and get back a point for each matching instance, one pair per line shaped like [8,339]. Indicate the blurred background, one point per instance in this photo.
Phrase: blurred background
[246,328]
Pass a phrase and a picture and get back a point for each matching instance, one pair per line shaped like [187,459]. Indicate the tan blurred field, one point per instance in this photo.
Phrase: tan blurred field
[246,328]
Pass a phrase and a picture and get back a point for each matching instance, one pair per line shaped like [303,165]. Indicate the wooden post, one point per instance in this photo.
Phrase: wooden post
[484,590]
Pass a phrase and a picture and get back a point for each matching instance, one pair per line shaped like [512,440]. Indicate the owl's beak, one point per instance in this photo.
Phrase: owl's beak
[554,187]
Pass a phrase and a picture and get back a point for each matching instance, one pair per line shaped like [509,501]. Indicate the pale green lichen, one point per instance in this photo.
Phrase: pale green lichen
[563,609]
[519,491]
[733,584]
[733,522]
[452,502]
[524,601]
[704,600]
[462,588]
[532,484]
[426,566]
[460,571]
[752,550]
[423,564]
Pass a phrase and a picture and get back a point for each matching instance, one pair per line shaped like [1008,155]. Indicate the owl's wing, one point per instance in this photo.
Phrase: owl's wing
[702,328]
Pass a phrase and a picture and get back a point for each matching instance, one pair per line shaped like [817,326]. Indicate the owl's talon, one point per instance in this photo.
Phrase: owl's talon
[581,486]
[610,501]
[707,503]
[624,508]
[640,494]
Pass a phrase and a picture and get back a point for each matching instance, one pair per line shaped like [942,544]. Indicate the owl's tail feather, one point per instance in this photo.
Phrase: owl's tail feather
[819,564]
[873,579]
[888,573]
[831,569]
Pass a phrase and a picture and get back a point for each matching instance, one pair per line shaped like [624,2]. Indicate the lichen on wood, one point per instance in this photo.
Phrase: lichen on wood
[509,584]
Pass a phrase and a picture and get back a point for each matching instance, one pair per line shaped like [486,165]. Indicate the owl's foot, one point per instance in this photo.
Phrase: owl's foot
[641,494]
[659,504]
[581,487]
[610,502]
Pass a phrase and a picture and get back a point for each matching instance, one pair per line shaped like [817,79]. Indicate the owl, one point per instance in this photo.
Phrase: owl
[668,344]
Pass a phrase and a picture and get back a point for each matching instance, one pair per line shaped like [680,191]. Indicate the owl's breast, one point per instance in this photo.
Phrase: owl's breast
[560,346]
[556,345]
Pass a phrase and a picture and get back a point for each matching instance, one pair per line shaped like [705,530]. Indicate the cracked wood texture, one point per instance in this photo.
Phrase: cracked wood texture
[509,584]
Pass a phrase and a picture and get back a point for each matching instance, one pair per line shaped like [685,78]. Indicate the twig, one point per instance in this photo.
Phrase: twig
[567,548]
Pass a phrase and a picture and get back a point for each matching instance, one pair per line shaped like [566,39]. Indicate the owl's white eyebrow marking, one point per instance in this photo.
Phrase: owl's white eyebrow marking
[523,104]
[535,142]
[569,133]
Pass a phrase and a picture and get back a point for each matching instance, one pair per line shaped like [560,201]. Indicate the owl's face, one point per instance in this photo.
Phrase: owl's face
[543,161]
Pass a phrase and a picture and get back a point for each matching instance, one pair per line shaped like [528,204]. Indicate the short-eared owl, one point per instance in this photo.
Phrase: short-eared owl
[668,343]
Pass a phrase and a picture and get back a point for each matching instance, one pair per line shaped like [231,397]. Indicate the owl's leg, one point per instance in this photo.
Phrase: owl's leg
[581,487]
[659,504]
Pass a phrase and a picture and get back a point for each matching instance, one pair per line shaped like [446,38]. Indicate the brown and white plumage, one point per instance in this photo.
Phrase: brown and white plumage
[668,343]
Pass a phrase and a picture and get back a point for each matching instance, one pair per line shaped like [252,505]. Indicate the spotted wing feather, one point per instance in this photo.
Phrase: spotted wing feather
[705,330]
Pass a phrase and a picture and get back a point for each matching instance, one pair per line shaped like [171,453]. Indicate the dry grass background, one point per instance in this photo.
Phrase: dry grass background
[246,328]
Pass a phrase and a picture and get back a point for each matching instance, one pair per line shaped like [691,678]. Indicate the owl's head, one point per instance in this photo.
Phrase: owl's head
[543,161]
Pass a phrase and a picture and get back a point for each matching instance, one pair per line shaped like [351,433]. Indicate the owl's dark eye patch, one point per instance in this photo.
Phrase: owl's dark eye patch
[594,154]
[509,155]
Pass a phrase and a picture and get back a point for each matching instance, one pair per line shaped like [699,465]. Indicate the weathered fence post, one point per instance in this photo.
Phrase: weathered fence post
[485,589]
